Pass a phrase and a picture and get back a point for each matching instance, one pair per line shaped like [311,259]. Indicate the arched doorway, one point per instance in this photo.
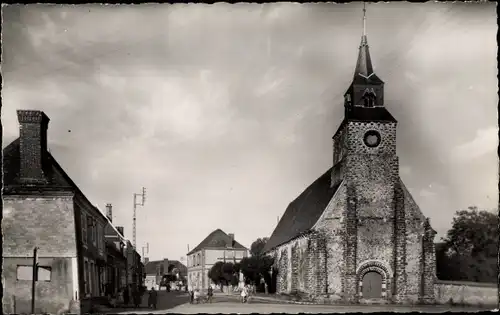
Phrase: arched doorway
[372,285]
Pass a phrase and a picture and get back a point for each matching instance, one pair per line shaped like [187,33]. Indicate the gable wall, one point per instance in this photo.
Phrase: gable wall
[414,247]
[331,226]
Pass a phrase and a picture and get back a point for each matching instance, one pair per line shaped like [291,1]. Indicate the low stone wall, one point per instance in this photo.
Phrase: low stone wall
[466,293]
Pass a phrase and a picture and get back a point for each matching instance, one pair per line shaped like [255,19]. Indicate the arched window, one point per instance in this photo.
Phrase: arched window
[369,98]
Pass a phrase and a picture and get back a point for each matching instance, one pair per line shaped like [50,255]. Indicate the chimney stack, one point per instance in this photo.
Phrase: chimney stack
[120,229]
[109,212]
[231,236]
[33,126]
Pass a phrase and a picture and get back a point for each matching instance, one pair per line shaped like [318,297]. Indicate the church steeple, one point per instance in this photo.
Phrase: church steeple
[367,89]
[364,65]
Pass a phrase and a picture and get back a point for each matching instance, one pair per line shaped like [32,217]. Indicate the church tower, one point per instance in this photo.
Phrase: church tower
[356,234]
[365,161]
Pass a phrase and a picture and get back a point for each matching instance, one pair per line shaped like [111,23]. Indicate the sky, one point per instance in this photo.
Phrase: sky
[225,112]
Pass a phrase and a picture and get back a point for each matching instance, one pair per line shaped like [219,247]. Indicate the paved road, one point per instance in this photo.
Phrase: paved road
[166,300]
[178,303]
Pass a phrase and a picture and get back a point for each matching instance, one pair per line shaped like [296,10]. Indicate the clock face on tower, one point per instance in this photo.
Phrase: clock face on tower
[372,138]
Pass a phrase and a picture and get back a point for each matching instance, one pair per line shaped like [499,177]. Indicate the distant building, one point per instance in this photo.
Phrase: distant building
[217,246]
[43,207]
[156,270]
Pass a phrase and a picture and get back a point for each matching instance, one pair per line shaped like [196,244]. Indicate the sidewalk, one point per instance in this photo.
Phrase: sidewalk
[285,299]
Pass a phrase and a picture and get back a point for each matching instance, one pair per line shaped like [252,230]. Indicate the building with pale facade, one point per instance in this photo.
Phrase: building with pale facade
[217,246]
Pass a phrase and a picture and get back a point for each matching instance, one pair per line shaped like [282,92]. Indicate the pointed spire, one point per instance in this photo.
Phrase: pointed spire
[364,19]
[364,65]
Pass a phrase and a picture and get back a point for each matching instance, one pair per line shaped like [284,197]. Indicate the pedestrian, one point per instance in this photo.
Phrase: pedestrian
[196,296]
[210,293]
[191,295]
[120,297]
[126,296]
[152,299]
[137,298]
[244,294]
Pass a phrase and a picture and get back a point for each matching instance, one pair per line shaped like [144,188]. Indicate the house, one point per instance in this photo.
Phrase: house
[154,272]
[116,255]
[44,208]
[177,269]
[356,234]
[217,246]
[135,268]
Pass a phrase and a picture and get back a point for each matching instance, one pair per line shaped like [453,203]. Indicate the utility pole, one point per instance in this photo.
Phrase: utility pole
[147,249]
[34,278]
[143,199]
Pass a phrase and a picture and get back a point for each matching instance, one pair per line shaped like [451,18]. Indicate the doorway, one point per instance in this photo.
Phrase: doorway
[372,285]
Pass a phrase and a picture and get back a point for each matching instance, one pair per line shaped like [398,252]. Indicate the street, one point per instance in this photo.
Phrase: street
[178,302]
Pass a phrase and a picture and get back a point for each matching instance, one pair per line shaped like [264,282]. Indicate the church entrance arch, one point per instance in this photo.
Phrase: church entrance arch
[372,285]
[373,279]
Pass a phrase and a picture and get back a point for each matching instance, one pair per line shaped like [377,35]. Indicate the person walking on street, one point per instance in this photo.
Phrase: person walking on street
[120,297]
[126,296]
[191,295]
[153,298]
[244,294]
[210,293]
[196,296]
[136,295]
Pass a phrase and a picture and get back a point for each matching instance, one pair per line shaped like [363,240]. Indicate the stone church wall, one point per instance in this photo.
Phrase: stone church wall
[330,225]
[414,245]
[291,260]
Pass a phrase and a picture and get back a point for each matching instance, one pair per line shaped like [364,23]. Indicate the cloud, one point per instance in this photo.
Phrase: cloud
[485,141]
[225,112]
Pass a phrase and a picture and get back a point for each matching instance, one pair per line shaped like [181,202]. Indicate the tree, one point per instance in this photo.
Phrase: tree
[221,273]
[256,267]
[469,251]
[257,247]
[215,273]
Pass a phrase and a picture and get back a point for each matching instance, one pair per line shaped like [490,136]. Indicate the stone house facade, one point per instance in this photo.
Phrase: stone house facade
[44,208]
[356,234]
[217,246]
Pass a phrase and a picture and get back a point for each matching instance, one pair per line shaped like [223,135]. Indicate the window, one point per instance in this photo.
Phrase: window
[26,273]
[84,228]
[86,277]
[98,239]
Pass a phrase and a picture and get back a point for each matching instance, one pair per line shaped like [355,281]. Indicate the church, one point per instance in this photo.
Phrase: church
[355,234]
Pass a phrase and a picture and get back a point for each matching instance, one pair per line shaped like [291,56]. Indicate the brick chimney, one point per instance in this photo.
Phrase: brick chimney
[231,237]
[120,229]
[109,212]
[33,126]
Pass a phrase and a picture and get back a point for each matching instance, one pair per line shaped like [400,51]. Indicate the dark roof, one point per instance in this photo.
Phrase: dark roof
[364,63]
[152,266]
[177,264]
[303,212]
[217,239]
[364,73]
[57,178]
[360,113]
